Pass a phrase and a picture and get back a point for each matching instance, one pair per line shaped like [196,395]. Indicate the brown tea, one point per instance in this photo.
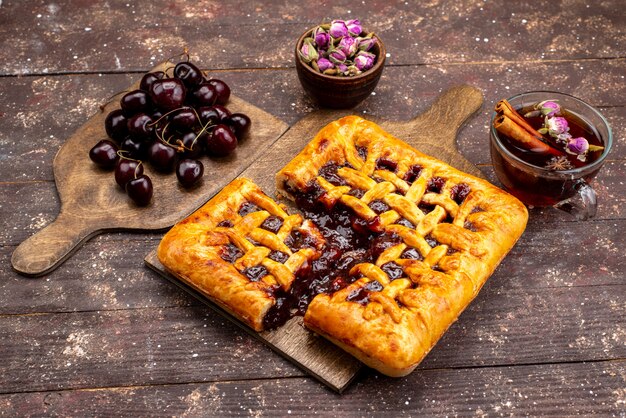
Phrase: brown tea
[577,127]
[545,186]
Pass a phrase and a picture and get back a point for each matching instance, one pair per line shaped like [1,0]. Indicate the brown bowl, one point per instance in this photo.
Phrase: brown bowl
[339,92]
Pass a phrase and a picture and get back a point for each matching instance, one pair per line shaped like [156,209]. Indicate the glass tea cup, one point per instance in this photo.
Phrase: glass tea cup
[568,190]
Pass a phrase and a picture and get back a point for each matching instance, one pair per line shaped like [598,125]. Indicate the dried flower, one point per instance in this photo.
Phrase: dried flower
[364,60]
[338,29]
[353,70]
[322,38]
[365,44]
[556,126]
[337,48]
[347,45]
[324,64]
[308,52]
[337,56]
[354,27]
[548,108]
[577,145]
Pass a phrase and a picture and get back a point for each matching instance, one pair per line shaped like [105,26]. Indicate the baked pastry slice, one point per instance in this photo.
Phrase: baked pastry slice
[435,235]
[242,251]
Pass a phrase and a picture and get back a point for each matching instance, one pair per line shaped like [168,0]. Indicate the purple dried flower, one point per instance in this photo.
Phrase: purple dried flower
[337,56]
[577,146]
[323,64]
[347,45]
[354,27]
[365,44]
[322,38]
[308,52]
[343,68]
[548,108]
[556,125]
[338,29]
[364,60]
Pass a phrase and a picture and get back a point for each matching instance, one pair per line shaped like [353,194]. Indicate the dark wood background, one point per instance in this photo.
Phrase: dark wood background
[104,335]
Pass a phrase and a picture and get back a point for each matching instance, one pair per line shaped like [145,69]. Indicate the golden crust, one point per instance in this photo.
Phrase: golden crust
[398,325]
[193,250]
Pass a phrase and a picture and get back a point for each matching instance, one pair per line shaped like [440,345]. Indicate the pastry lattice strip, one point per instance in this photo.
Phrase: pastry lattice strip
[448,231]
[216,249]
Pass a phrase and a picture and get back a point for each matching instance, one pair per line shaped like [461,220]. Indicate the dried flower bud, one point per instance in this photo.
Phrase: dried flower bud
[343,69]
[322,39]
[348,46]
[577,146]
[353,70]
[324,64]
[354,27]
[556,126]
[365,44]
[308,52]
[548,108]
[364,60]
[338,29]
[337,56]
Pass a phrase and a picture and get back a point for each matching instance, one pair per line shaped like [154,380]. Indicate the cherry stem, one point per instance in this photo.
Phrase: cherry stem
[110,99]
[165,115]
[167,141]
[166,70]
[137,168]
[203,130]
[121,153]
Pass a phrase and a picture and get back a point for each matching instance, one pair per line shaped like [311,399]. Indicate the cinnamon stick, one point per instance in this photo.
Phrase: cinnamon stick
[513,125]
[503,107]
[507,126]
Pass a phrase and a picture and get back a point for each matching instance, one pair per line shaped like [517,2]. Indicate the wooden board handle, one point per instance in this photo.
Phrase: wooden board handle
[434,131]
[49,247]
[452,108]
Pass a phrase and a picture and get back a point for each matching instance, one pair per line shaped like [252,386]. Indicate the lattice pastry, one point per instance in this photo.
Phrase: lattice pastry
[242,250]
[434,236]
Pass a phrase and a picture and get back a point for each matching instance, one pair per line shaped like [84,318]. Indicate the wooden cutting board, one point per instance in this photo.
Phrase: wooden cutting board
[433,132]
[91,201]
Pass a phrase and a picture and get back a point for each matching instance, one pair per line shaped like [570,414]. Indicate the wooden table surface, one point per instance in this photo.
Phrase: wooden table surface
[103,335]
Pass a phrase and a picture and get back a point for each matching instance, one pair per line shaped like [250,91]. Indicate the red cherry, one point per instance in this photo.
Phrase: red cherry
[140,190]
[222,89]
[221,142]
[104,153]
[168,93]
[189,172]
[126,170]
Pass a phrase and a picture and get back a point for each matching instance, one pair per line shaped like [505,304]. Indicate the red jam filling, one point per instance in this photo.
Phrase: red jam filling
[349,240]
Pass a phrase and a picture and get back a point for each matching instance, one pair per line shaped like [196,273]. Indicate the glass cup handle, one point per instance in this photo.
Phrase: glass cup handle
[583,204]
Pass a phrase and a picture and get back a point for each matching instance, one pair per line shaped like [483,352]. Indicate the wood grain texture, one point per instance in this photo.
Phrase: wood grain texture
[91,201]
[41,112]
[316,356]
[84,36]
[146,346]
[61,59]
[587,389]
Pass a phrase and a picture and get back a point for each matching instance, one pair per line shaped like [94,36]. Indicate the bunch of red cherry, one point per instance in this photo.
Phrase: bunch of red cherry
[170,121]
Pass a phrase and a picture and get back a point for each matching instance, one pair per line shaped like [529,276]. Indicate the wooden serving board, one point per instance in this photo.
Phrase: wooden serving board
[433,132]
[91,201]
